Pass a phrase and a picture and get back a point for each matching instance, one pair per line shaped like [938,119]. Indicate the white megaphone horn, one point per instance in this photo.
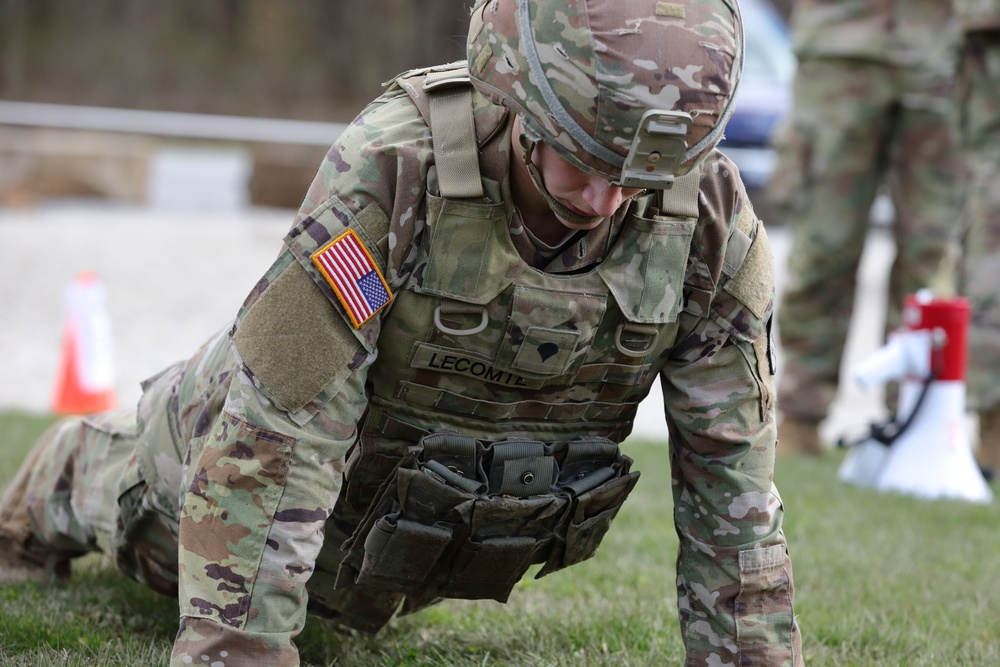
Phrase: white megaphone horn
[925,450]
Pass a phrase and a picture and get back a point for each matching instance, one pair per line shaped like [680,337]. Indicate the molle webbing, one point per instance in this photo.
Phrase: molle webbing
[456,155]
[602,413]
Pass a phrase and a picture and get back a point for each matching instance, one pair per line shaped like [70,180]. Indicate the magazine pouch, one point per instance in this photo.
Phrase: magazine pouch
[462,518]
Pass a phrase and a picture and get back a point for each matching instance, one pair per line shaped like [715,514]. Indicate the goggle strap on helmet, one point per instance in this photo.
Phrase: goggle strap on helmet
[555,107]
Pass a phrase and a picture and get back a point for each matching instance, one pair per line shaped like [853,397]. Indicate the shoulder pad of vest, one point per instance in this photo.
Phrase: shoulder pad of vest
[474,113]
[419,83]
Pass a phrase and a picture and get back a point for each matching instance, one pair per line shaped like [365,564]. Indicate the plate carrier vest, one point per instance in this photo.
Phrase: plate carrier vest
[500,392]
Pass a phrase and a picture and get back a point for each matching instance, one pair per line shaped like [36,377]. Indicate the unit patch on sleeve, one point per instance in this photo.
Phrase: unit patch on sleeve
[347,265]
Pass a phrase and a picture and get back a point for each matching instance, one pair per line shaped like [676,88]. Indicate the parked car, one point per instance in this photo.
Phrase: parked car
[764,95]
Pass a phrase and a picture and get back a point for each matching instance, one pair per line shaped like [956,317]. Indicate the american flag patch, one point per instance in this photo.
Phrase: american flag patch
[347,265]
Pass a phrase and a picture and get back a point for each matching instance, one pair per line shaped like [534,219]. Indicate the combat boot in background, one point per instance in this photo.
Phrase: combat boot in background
[799,436]
[988,455]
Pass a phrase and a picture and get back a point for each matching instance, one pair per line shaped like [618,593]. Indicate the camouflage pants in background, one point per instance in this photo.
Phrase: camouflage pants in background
[979,109]
[857,126]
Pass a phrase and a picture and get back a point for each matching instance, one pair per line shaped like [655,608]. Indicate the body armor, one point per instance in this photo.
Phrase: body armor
[490,441]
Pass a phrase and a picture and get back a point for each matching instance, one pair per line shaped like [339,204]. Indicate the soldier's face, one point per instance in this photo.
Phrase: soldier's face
[582,193]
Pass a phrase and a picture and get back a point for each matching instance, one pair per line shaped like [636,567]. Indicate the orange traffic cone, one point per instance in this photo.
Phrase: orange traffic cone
[85,379]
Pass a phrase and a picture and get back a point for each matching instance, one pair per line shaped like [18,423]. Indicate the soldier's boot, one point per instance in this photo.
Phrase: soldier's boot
[988,455]
[22,555]
[799,436]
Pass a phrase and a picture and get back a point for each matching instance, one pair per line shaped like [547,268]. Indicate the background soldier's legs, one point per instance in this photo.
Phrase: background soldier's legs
[834,155]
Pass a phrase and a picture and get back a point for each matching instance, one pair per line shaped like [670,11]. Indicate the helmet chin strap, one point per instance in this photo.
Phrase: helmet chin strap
[561,210]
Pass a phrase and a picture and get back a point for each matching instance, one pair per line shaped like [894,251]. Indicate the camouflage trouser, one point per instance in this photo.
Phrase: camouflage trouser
[856,126]
[979,108]
[84,492]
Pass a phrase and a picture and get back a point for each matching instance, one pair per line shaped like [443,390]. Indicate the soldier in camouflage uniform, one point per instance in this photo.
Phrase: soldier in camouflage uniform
[978,103]
[425,393]
[871,108]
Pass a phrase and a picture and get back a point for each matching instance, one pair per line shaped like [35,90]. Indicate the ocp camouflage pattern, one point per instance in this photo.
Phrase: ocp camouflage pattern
[606,95]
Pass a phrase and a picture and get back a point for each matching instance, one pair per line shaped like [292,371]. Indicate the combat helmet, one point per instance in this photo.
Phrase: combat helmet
[637,91]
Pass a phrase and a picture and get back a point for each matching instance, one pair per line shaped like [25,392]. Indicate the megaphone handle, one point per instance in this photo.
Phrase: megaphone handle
[924,389]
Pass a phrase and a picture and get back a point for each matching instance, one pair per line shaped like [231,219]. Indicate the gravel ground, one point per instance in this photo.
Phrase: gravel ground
[172,280]
[174,277]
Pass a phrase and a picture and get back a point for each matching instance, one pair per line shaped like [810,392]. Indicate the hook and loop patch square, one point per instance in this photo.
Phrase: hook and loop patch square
[349,269]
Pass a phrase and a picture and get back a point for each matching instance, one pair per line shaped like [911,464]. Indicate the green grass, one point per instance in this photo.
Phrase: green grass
[881,580]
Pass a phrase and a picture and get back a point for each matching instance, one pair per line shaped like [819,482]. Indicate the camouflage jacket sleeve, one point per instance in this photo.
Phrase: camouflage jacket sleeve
[261,484]
[733,571]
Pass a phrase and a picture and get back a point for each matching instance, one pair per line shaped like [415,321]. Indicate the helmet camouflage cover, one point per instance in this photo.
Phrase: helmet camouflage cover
[581,74]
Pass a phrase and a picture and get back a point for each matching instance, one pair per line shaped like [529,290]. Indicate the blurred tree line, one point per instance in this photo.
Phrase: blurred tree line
[308,59]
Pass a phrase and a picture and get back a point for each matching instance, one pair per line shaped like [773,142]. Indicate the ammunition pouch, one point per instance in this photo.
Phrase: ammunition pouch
[461,518]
